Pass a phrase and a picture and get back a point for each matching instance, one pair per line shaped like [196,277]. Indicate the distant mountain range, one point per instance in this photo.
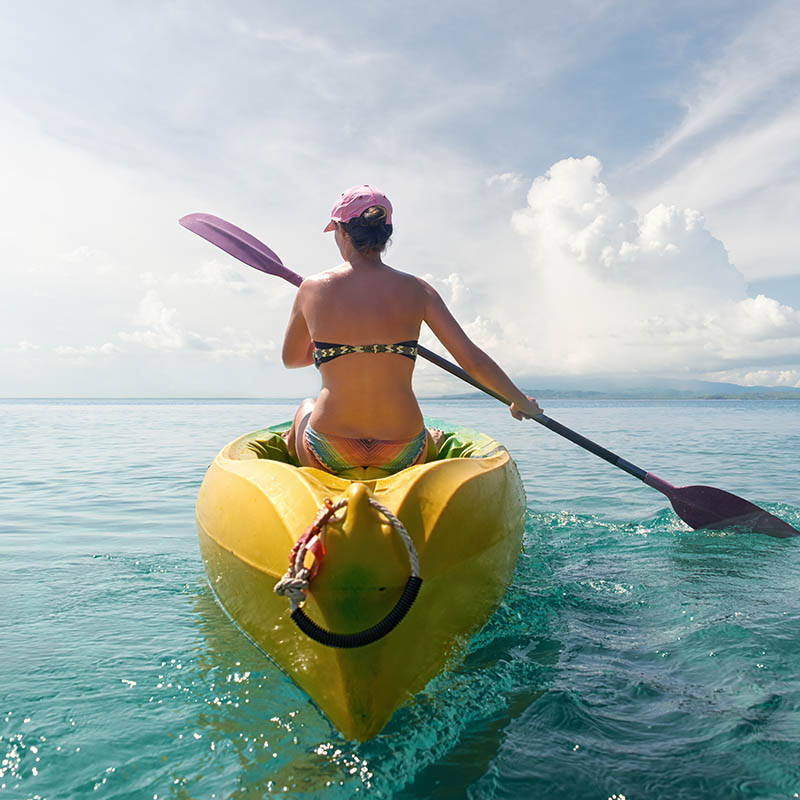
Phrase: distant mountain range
[645,388]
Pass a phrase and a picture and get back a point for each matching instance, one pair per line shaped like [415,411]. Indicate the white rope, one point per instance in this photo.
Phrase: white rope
[295,581]
[293,587]
[413,558]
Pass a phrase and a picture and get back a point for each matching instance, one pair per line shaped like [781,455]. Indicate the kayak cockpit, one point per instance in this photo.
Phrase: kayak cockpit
[456,442]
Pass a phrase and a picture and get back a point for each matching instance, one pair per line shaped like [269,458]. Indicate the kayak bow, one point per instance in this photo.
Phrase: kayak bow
[464,517]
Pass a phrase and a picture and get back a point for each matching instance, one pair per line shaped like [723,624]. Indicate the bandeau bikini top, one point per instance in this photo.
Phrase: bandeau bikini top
[327,351]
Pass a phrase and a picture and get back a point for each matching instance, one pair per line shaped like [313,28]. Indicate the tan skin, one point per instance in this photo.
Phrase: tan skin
[364,301]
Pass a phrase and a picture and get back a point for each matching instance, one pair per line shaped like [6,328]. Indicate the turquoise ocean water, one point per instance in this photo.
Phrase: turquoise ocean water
[631,656]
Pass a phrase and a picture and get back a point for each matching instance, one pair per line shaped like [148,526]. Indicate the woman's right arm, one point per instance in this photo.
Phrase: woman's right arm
[298,348]
[470,357]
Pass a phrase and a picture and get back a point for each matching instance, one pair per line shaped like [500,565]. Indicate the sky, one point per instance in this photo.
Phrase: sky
[596,188]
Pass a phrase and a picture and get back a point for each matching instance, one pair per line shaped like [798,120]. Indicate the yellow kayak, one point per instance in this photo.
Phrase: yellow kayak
[460,515]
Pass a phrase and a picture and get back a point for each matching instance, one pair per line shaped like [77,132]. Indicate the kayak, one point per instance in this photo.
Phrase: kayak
[397,572]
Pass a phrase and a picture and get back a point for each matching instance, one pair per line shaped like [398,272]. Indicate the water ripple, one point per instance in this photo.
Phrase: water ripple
[630,657]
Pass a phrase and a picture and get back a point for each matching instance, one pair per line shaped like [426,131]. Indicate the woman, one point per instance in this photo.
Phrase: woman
[359,323]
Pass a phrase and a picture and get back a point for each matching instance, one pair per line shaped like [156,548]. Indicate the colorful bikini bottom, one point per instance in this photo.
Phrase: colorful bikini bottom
[339,453]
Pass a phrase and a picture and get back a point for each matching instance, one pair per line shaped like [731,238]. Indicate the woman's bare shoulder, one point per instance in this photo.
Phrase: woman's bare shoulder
[407,278]
[326,276]
[428,292]
[331,272]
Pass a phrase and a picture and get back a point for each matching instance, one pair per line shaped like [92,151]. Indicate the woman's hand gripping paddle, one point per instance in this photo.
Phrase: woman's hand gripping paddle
[697,506]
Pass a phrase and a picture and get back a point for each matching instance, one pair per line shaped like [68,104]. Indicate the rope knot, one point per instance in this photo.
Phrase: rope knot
[294,587]
[297,578]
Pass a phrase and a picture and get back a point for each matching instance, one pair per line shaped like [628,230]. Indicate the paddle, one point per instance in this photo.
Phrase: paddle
[698,506]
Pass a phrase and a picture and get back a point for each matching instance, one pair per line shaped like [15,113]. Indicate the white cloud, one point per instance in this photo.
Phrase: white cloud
[760,59]
[572,217]
[307,44]
[241,345]
[613,291]
[508,181]
[86,257]
[211,274]
[761,377]
[739,164]
[162,331]
[23,346]
[748,183]
[106,349]
[734,154]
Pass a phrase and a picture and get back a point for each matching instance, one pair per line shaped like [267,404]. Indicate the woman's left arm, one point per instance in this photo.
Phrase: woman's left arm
[298,349]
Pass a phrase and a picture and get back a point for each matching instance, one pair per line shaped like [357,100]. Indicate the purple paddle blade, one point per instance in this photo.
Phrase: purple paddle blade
[240,244]
[709,507]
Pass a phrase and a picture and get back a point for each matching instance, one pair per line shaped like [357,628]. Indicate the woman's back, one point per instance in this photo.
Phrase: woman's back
[365,394]
[366,413]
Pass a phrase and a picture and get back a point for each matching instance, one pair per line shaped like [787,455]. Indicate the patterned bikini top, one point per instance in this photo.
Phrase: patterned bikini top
[327,351]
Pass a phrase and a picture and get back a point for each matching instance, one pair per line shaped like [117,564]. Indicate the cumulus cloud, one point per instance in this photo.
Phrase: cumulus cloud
[23,346]
[761,377]
[507,180]
[573,219]
[212,274]
[82,354]
[242,345]
[85,257]
[87,350]
[611,290]
[161,330]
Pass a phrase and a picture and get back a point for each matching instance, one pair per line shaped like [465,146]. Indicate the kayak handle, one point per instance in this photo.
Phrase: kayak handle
[368,635]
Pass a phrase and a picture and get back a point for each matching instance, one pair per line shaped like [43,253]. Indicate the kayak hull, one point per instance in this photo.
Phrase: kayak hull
[465,518]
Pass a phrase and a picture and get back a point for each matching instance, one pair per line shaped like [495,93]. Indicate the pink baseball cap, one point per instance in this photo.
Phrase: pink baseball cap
[355,201]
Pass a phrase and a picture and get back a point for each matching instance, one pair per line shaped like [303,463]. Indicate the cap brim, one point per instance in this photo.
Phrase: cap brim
[329,227]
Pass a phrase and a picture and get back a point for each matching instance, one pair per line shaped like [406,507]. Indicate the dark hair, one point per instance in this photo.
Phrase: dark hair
[370,232]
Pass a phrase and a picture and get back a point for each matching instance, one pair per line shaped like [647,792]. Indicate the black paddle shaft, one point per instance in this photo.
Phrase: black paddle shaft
[542,419]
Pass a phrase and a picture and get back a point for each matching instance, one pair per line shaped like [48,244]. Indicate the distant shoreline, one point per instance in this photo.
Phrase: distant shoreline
[756,394]
[542,394]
